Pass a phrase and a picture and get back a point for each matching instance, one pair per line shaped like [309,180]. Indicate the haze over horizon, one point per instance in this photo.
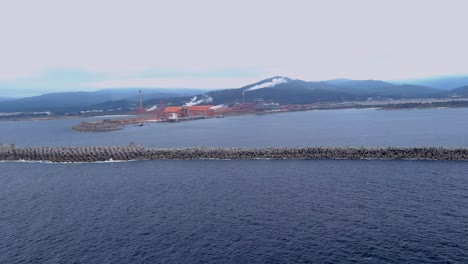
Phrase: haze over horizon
[50,46]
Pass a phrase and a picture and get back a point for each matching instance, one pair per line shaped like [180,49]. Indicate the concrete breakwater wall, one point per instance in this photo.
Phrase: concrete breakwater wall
[134,152]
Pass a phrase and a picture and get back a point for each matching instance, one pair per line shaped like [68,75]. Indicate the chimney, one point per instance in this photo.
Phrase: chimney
[141,102]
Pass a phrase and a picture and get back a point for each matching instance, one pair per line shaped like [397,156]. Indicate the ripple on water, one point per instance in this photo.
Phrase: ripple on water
[234,212]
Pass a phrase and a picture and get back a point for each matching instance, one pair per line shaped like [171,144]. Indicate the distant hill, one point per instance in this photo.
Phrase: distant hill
[114,105]
[296,91]
[3,99]
[337,81]
[76,101]
[54,102]
[360,84]
[148,93]
[279,89]
[461,91]
[291,91]
[376,88]
[442,82]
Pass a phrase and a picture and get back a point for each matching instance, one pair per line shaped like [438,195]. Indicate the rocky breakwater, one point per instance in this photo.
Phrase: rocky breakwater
[134,152]
[71,154]
[98,126]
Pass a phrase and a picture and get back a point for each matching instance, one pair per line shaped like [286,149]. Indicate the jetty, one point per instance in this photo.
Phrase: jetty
[132,151]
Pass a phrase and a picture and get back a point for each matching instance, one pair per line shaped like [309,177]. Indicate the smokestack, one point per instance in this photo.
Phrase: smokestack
[243,95]
[141,102]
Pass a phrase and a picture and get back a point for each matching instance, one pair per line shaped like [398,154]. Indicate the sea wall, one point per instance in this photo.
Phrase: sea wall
[134,152]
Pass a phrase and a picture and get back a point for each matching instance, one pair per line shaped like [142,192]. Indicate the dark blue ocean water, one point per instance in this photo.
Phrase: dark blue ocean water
[255,211]
[234,212]
[364,127]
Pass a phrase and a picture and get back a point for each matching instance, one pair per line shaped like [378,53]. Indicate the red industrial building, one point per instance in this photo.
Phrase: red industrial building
[189,111]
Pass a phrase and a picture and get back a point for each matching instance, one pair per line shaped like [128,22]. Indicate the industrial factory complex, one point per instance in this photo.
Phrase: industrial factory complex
[200,108]
[167,113]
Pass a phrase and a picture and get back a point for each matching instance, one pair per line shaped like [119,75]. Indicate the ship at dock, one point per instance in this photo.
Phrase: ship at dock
[172,117]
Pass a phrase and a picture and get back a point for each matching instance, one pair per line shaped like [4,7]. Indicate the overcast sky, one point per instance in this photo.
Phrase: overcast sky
[91,44]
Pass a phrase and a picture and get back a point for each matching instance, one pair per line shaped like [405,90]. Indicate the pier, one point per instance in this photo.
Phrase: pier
[135,152]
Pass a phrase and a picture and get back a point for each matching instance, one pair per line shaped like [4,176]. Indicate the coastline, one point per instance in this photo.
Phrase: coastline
[404,104]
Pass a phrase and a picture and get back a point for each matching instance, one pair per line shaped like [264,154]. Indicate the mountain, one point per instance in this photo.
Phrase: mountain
[279,89]
[461,91]
[360,84]
[296,91]
[53,102]
[118,105]
[376,88]
[147,93]
[442,82]
[337,81]
[3,99]
[292,91]
[76,101]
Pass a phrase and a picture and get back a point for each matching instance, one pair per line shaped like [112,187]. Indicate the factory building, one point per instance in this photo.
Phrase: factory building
[189,111]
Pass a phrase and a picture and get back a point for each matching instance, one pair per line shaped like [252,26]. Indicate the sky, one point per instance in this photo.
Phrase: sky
[56,45]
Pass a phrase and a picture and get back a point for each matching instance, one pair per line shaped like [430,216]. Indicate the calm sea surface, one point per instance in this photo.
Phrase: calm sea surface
[366,127]
[253,211]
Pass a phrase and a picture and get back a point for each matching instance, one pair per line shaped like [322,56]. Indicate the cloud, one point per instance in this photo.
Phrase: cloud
[126,41]
[203,83]
[66,79]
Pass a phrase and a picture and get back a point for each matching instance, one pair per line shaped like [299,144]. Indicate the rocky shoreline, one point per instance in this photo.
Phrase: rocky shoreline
[135,152]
